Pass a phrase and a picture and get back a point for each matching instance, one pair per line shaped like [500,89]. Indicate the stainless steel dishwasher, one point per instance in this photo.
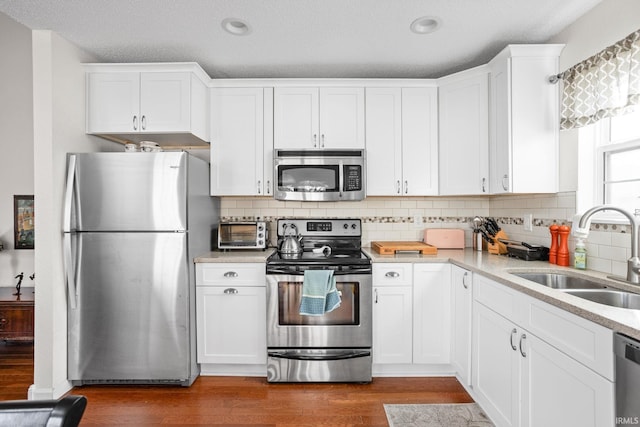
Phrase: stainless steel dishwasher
[627,353]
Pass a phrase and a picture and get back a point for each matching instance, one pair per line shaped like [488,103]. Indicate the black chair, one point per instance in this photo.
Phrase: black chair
[65,412]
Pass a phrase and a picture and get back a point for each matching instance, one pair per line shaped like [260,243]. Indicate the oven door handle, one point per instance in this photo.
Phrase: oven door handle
[295,355]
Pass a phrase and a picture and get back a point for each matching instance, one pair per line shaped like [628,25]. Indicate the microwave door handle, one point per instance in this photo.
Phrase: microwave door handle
[341,178]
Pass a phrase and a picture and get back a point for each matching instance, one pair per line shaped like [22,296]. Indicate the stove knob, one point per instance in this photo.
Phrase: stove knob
[345,226]
[353,226]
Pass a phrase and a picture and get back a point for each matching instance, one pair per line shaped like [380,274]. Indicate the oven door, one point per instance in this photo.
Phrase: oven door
[348,326]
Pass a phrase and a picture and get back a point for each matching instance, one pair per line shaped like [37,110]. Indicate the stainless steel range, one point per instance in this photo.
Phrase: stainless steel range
[334,346]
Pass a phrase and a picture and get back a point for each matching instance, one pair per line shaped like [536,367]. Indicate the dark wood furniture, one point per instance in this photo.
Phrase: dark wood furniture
[16,314]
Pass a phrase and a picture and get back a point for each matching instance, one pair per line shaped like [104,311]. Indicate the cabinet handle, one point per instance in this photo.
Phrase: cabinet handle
[268,189]
[484,185]
[315,140]
[322,141]
[230,291]
[505,179]
[514,331]
[523,337]
[259,185]
[230,274]
[398,186]
[143,122]
[392,274]
[406,187]
[376,298]
[464,280]
[135,122]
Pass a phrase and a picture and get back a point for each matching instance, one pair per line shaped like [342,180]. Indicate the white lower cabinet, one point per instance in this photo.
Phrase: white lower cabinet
[231,316]
[392,313]
[411,318]
[521,380]
[461,321]
[432,313]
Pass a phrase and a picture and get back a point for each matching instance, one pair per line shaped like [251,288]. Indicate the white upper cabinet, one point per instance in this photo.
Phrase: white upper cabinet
[402,144]
[134,102]
[463,145]
[310,118]
[524,120]
[241,141]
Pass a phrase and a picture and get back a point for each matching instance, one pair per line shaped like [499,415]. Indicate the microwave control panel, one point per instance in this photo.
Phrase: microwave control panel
[352,178]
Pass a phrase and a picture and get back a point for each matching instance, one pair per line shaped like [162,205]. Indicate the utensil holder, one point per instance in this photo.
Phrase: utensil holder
[497,247]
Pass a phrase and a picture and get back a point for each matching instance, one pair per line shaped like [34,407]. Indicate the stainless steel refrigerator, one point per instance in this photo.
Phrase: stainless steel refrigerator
[132,224]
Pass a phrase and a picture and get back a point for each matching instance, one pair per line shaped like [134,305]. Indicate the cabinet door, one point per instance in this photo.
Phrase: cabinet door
[431,313]
[464,135]
[419,141]
[341,118]
[500,111]
[113,102]
[534,124]
[461,284]
[384,141]
[524,129]
[165,102]
[496,366]
[559,391]
[295,118]
[231,324]
[237,141]
[392,320]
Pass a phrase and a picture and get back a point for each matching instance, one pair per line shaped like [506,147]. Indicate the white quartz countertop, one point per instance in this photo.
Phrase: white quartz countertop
[238,255]
[499,267]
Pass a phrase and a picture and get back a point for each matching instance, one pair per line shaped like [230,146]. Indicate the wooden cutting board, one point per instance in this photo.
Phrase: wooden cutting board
[390,248]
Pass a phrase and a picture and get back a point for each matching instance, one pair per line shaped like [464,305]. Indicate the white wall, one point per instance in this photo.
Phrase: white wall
[16,143]
[59,111]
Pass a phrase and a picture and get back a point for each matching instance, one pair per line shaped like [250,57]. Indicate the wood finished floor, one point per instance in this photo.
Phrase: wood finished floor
[236,401]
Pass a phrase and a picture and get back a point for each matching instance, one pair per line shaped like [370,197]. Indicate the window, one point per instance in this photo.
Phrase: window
[615,164]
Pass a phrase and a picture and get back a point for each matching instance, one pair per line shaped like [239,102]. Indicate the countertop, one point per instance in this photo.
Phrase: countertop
[238,255]
[498,268]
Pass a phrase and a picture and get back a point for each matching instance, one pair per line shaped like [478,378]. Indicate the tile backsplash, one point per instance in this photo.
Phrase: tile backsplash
[405,218]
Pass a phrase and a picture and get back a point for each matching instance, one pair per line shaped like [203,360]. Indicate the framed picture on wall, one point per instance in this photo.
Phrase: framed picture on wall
[23,222]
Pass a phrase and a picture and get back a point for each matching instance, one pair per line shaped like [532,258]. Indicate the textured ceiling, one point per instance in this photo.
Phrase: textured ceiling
[301,38]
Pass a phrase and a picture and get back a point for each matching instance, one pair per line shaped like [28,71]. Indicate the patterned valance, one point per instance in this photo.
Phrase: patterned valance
[604,85]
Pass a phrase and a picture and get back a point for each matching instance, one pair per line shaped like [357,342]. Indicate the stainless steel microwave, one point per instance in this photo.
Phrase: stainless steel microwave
[242,235]
[319,175]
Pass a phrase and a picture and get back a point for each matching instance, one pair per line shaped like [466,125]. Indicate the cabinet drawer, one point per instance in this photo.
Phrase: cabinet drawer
[587,342]
[392,274]
[500,298]
[236,274]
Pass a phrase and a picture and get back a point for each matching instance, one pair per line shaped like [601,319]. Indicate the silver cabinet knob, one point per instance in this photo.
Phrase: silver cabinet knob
[230,291]
[392,274]
[230,274]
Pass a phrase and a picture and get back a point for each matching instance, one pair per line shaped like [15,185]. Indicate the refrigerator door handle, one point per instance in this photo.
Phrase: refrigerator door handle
[69,271]
[68,196]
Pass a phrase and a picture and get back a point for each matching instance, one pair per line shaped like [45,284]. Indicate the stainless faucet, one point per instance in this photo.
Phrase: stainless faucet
[633,263]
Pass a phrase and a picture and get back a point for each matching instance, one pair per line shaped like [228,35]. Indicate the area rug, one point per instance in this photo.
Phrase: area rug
[437,415]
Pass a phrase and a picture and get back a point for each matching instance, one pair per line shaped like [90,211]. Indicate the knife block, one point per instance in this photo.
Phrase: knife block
[497,247]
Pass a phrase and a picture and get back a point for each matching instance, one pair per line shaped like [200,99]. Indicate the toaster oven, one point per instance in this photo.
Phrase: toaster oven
[242,235]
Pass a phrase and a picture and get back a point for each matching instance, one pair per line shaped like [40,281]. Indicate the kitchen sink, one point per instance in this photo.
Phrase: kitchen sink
[561,281]
[610,297]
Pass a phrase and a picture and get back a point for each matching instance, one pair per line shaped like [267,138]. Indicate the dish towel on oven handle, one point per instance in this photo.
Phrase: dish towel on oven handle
[319,293]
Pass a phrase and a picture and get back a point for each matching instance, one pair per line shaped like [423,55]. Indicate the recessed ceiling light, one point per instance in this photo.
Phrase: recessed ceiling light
[425,25]
[235,26]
